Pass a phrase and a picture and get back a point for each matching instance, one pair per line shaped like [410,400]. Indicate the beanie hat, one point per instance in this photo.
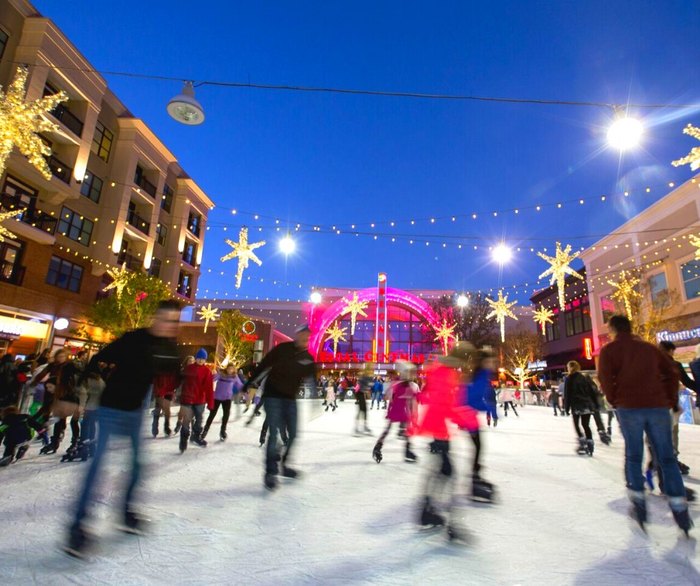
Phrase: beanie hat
[201,354]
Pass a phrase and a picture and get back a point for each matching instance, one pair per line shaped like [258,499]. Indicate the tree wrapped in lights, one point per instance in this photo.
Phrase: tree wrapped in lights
[625,290]
[500,310]
[354,307]
[559,268]
[444,333]
[543,316]
[208,314]
[234,345]
[692,158]
[337,334]
[519,351]
[243,250]
[21,122]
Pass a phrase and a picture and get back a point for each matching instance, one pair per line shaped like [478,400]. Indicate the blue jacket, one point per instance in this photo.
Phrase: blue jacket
[480,392]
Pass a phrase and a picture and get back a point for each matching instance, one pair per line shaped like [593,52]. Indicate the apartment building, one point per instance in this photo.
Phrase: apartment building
[117,195]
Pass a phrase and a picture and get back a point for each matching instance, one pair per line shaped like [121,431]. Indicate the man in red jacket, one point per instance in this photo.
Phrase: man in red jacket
[641,383]
[197,392]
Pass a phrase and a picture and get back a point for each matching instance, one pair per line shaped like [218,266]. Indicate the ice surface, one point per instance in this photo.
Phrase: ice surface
[562,518]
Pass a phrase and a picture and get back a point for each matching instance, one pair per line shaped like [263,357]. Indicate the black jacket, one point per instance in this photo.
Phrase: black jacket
[139,357]
[579,394]
[287,366]
[686,381]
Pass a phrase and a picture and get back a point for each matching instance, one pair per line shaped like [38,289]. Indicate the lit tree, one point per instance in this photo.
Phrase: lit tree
[472,322]
[233,346]
[520,348]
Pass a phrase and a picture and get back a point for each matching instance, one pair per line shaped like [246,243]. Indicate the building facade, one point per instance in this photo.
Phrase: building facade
[117,195]
[655,247]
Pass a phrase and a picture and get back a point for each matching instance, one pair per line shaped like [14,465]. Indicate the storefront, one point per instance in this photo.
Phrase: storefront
[22,334]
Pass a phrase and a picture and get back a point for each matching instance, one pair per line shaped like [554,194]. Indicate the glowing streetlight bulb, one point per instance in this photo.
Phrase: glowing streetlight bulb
[625,133]
[316,297]
[462,301]
[501,254]
[287,245]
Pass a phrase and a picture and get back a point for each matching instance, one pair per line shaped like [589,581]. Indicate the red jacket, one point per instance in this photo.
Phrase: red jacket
[440,397]
[197,386]
[165,384]
[637,375]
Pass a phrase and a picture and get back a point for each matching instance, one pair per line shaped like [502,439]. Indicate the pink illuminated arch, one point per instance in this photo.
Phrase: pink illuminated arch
[395,297]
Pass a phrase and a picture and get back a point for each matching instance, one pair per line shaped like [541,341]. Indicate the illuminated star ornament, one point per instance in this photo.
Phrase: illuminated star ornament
[444,334]
[208,314]
[693,158]
[500,310]
[695,241]
[337,334]
[559,269]
[543,316]
[21,122]
[4,232]
[244,252]
[625,290]
[355,307]
[120,277]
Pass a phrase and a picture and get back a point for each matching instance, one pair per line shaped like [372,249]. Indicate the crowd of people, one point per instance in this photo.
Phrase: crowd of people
[107,396]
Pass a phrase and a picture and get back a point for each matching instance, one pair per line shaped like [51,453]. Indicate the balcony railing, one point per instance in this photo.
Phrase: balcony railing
[132,262]
[133,219]
[30,215]
[59,169]
[11,273]
[147,186]
[68,119]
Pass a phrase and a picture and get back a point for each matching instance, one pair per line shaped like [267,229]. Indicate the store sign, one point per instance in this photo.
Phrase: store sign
[355,358]
[588,348]
[9,326]
[537,365]
[681,336]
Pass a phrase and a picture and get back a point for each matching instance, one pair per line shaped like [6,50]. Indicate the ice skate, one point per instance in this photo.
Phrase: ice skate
[429,518]
[409,456]
[21,451]
[604,437]
[638,512]
[5,461]
[270,481]
[78,543]
[483,491]
[581,450]
[683,520]
[377,452]
[134,524]
[456,536]
[71,453]
[590,447]
[183,441]
[199,440]
[290,472]
[223,435]
[684,468]
[154,425]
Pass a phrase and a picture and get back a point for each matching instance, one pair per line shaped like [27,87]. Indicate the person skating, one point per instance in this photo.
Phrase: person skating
[181,412]
[364,385]
[554,399]
[223,394]
[287,365]
[197,393]
[491,402]
[402,410]
[91,389]
[164,389]
[377,392]
[506,398]
[139,356]
[331,400]
[581,402]
[641,383]
[16,431]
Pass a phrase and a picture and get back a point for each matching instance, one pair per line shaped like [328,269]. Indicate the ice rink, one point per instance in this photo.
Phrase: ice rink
[562,518]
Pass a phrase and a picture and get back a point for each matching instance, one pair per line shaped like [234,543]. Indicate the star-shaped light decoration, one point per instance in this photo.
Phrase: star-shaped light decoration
[120,278]
[625,290]
[355,307]
[695,241]
[21,122]
[692,158]
[208,314]
[543,316]
[4,232]
[500,310]
[559,269]
[444,334]
[243,250]
[337,334]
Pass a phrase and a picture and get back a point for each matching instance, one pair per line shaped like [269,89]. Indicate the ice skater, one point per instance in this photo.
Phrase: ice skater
[164,388]
[506,398]
[223,394]
[581,403]
[197,393]
[361,388]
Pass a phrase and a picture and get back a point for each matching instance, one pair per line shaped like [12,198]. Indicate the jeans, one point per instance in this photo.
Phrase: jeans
[196,412]
[281,413]
[657,425]
[119,423]
[87,429]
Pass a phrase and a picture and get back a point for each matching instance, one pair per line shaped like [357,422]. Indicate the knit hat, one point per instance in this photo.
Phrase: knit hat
[201,354]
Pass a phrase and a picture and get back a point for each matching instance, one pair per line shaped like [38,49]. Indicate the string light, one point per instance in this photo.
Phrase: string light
[693,158]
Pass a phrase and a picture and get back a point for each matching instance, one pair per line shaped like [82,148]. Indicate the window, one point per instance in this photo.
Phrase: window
[74,226]
[64,274]
[154,271]
[194,222]
[102,141]
[161,234]
[10,269]
[184,284]
[4,37]
[21,194]
[552,330]
[577,320]
[690,273]
[658,289]
[138,175]
[189,255]
[91,186]
[607,307]
[166,202]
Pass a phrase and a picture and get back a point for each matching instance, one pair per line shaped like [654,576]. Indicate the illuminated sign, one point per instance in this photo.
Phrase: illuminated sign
[355,358]
[10,326]
[537,365]
[588,348]
[681,336]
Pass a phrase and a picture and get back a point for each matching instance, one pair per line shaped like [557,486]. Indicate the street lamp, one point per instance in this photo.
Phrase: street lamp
[316,297]
[287,245]
[462,301]
[625,133]
[184,108]
[501,254]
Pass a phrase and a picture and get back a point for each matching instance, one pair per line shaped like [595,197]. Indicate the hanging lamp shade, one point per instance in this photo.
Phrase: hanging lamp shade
[184,108]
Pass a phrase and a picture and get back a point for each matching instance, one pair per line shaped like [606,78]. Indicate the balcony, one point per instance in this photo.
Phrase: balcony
[139,223]
[146,185]
[11,273]
[40,220]
[133,263]
[68,119]
[59,169]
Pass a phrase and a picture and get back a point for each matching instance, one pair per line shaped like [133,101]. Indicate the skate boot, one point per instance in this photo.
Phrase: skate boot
[483,491]
[71,453]
[5,460]
[377,452]
[198,440]
[429,518]
[21,451]
[134,523]
[83,450]
[684,468]
[589,447]
[166,428]
[78,543]
[154,425]
[683,520]
[604,437]
[270,482]
[184,436]
[690,494]
[582,448]
[223,435]
[409,456]
[639,509]
[455,535]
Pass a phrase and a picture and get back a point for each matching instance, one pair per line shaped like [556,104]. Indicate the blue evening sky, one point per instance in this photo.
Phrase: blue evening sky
[339,159]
